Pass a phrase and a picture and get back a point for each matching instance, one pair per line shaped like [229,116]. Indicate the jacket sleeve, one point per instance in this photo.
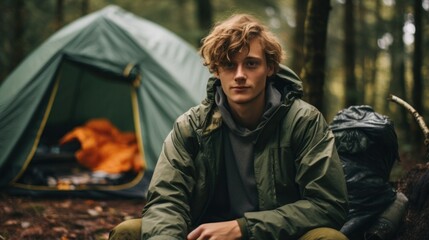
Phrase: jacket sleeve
[167,213]
[319,178]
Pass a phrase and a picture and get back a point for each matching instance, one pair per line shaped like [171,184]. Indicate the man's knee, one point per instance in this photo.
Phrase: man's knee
[127,230]
[323,234]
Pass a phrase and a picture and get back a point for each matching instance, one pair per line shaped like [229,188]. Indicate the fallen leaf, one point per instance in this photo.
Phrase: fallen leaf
[93,212]
[7,209]
[66,204]
[31,232]
[25,224]
[89,202]
[59,229]
[98,209]
[11,222]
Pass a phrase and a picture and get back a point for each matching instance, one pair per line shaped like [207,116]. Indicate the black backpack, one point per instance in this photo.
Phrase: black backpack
[367,145]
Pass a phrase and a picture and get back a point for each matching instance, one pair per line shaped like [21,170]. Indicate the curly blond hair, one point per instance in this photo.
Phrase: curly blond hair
[233,35]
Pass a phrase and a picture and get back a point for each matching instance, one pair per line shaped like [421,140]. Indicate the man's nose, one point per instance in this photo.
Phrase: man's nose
[240,73]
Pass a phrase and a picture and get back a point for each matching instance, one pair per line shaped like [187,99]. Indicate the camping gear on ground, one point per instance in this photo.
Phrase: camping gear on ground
[109,64]
[367,144]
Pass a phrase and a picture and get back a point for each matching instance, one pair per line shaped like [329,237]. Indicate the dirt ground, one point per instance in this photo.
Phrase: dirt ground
[415,185]
[27,218]
[63,218]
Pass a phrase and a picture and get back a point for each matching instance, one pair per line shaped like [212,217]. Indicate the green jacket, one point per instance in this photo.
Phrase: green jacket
[300,180]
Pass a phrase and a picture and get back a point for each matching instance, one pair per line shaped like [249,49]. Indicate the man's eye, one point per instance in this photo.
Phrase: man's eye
[252,64]
[228,65]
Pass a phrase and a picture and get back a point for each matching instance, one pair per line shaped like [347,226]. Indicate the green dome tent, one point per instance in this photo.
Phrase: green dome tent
[109,64]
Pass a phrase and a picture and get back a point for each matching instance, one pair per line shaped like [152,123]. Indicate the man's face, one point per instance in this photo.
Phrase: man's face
[244,78]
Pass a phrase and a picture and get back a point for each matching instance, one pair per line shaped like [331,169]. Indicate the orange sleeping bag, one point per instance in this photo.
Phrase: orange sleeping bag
[105,148]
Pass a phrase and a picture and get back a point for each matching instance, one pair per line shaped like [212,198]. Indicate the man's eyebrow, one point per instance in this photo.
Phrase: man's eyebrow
[253,58]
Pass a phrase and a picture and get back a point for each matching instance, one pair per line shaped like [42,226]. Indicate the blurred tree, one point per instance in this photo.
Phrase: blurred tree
[417,88]
[59,20]
[360,55]
[398,86]
[351,96]
[85,7]
[298,40]
[364,57]
[314,51]
[417,59]
[3,41]
[374,52]
[18,32]
[204,16]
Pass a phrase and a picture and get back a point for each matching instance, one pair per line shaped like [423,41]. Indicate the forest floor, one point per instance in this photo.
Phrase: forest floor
[62,218]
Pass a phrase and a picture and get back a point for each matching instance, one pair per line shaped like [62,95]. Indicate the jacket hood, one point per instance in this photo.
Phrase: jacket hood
[287,77]
[285,80]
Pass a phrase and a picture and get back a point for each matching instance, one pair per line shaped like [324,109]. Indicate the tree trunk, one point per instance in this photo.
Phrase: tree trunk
[298,37]
[417,59]
[3,42]
[204,17]
[85,7]
[397,86]
[417,89]
[18,32]
[349,52]
[315,51]
[374,50]
[59,21]
[362,45]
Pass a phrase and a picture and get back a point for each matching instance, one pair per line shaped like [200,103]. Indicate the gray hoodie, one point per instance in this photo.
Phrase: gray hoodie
[239,143]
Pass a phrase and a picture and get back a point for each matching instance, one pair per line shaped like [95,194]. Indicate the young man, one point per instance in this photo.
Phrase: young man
[252,161]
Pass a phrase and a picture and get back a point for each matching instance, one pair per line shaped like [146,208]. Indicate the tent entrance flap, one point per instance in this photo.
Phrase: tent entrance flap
[84,97]
[84,94]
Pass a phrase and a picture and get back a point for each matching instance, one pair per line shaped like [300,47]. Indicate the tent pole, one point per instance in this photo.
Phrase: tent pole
[40,130]
[137,123]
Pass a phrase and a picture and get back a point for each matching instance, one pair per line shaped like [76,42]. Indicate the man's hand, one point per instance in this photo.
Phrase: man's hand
[220,230]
